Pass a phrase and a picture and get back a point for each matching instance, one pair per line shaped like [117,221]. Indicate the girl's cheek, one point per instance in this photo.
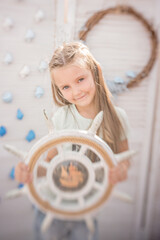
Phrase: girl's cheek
[86,85]
[67,95]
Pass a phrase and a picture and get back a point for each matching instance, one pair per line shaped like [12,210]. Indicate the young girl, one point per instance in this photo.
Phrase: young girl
[79,89]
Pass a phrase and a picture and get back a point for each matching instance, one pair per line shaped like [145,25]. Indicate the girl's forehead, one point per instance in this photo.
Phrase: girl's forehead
[70,71]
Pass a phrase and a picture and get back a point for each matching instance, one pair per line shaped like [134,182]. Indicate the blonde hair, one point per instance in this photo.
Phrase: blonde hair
[74,52]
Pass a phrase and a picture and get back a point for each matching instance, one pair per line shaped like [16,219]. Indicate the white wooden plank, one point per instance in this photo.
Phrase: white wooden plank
[65,20]
[151,221]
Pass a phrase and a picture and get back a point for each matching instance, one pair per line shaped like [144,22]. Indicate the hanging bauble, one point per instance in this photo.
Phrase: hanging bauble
[8,59]
[131,74]
[30,35]
[25,71]
[39,92]
[30,136]
[19,114]
[118,80]
[3,131]
[7,97]
[39,16]
[43,66]
[8,23]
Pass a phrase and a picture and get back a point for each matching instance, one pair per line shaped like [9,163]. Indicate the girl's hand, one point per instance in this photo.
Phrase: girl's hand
[22,173]
[119,173]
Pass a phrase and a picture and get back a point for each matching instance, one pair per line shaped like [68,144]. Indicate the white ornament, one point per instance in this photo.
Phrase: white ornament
[131,74]
[39,16]
[39,92]
[30,35]
[25,71]
[118,80]
[7,97]
[8,59]
[43,66]
[8,23]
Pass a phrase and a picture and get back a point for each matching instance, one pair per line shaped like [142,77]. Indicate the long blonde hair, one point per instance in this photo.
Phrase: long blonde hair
[74,52]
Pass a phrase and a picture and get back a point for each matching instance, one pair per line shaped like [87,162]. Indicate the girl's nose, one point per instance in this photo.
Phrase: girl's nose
[75,91]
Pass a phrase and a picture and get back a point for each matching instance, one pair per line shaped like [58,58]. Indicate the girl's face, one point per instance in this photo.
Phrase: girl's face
[76,84]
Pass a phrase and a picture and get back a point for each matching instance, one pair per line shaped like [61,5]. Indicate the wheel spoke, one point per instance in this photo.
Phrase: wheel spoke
[44,164]
[59,148]
[42,183]
[98,186]
[81,201]
[97,165]
[58,200]
[83,149]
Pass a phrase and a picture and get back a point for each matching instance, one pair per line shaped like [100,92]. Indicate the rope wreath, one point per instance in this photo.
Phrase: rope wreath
[93,20]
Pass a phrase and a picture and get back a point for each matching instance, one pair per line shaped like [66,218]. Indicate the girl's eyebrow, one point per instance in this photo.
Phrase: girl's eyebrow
[80,76]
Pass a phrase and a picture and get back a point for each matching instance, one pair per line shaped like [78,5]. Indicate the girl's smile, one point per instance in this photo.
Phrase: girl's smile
[77,86]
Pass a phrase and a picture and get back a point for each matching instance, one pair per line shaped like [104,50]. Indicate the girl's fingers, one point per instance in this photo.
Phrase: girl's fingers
[22,173]
[25,177]
[24,167]
[118,174]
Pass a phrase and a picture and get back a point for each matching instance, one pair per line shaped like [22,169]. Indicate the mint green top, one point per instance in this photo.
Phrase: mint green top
[68,117]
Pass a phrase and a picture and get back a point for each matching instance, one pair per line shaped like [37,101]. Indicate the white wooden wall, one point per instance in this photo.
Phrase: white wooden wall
[119,43]
[16,216]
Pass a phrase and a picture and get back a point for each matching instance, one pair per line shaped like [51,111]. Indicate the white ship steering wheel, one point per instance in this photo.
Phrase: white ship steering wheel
[74,184]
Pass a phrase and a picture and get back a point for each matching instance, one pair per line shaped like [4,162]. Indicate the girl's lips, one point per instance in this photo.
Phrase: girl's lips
[77,99]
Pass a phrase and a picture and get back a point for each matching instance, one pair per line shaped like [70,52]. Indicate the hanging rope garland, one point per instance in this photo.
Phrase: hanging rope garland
[93,20]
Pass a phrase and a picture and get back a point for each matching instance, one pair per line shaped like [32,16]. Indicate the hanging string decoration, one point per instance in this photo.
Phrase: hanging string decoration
[96,17]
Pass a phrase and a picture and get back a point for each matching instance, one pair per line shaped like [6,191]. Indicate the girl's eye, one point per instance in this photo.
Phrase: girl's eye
[81,79]
[65,87]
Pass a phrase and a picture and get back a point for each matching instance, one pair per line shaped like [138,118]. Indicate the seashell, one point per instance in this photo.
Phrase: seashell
[25,71]
[3,131]
[8,59]
[131,74]
[8,23]
[115,88]
[39,92]
[39,16]
[19,114]
[43,66]
[7,97]
[30,35]
[118,80]
[30,136]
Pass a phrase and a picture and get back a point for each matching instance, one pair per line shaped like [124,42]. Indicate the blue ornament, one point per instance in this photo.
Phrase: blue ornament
[118,80]
[20,185]
[7,97]
[12,173]
[30,136]
[131,74]
[3,131]
[19,114]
